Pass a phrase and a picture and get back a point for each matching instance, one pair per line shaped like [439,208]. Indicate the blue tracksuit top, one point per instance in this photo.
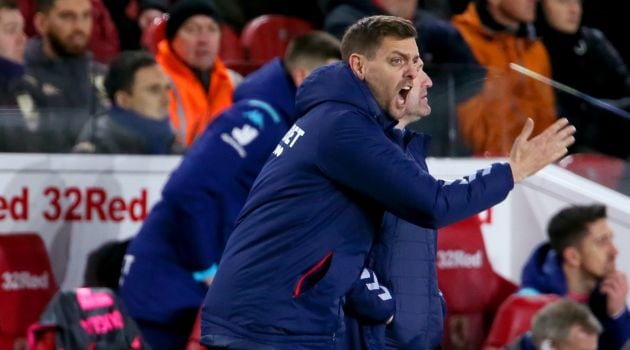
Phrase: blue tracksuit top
[187,229]
[543,274]
[302,238]
[404,259]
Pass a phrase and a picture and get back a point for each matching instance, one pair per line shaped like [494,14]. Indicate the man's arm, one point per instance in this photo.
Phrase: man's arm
[355,153]
[369,301]
[210,186]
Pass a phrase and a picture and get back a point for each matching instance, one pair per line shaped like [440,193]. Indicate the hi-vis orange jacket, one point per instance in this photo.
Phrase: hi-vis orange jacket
[191,107]
[490,121]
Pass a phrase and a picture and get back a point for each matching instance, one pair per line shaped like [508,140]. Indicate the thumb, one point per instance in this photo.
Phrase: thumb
[526,132]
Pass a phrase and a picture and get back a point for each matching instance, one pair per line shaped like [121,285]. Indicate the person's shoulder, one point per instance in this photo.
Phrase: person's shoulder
[340,17]
[429,21]
[345,121]
[257,113]
[347,11]
[247,123]
[589,33]
[98,67]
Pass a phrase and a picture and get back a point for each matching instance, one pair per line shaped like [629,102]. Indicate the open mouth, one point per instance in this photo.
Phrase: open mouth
[402,95]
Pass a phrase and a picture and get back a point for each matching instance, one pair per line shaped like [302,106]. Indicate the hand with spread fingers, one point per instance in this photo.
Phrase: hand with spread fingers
[530,155]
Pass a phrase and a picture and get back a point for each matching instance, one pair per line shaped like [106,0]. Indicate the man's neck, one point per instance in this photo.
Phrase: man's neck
[48,50]
[497,16]
[577,281]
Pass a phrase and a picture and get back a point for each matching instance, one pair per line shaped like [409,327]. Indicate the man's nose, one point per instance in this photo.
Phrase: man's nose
[412,71]
[613,250]
[429,82]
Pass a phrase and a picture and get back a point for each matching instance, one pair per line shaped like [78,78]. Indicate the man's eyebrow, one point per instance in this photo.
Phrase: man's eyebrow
[400,53]
[406,56]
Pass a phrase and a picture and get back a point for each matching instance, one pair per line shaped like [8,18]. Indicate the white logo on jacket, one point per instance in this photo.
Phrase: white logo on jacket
[289,139]
[292,135]
[372,284]
[240,137]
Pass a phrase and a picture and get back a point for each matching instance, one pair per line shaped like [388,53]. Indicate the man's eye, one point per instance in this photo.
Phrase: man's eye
[396,61]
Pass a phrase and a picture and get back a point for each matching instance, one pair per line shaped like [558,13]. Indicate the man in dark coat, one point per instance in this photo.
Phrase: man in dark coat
[172,260]
[303,235]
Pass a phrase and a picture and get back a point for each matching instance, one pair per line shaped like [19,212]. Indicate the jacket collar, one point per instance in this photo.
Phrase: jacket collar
[477,16]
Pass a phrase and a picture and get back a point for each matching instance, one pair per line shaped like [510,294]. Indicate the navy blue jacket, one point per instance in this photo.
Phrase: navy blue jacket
[543,274]
[403,256]
[187,229]
[308,224]
[16,133]
[125,131]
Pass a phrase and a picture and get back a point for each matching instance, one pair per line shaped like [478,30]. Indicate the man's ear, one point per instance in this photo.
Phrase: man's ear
[40,22]
[357,64]
[571,256]
[299,74]
[122,99]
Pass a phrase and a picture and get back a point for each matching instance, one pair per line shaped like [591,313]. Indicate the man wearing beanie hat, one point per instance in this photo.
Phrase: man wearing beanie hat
[202,85]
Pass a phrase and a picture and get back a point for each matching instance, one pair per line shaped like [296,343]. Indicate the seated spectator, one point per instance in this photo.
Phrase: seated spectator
[447,57]
[582,58]
[500,32]
[610,16]
[561,325]
[237,13]
[137,122]
[103,41]
[148,10]
[132,17]
[12,43]
[202,85]
[579,262]
[172,260]
[67,80]
[16,104]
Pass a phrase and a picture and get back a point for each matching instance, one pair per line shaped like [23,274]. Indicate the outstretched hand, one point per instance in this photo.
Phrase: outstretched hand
[530,155]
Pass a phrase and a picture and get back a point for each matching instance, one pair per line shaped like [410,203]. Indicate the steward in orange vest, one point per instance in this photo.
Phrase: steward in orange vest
[202,86]
[490,121]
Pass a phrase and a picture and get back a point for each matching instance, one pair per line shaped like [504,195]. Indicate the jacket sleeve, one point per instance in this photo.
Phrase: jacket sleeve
[610,64]
[209,187]
[355,153]
[616,331]
[368,300]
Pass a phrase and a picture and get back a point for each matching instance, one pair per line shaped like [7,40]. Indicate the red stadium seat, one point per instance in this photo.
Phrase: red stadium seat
[195,336]
[514,318]
[605,170]
[230,50]
[473,291]
[267,36]
[232,54]
[154,33]
[27,285]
